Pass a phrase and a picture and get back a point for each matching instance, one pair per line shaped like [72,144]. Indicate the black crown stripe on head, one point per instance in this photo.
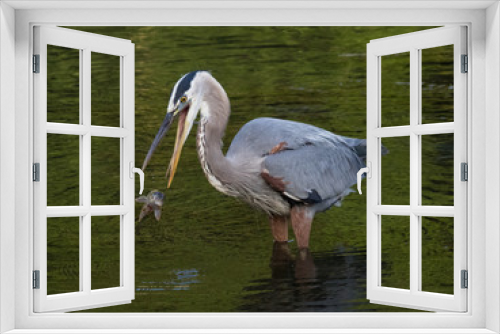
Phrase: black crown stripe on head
[184,85]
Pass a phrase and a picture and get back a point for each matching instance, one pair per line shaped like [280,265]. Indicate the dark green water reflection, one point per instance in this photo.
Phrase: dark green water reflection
[209,252]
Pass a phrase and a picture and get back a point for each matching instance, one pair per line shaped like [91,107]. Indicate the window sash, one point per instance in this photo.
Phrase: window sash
[413,43]
[86,43]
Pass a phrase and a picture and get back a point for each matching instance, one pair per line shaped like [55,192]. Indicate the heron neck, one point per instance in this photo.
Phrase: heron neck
[215,113]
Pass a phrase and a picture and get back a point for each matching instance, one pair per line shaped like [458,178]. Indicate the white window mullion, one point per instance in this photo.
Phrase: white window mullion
[106,131]
[434,211]
[419,129]
[80,211]
[414,170]
[433,129]
[79,130]
[85,163]
[85,249]
[417,120]
[421,210]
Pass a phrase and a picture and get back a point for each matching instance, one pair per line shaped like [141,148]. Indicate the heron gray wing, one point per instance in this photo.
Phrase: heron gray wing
[314,173]
[258,137]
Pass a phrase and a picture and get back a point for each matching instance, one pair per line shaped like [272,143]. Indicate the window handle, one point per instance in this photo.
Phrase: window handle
[366,170]
[141,175]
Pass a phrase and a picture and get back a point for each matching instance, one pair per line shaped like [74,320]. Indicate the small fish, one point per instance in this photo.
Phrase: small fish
[152,202]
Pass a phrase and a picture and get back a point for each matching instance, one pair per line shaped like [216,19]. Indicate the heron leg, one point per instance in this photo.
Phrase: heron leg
[279,228]
[302,218]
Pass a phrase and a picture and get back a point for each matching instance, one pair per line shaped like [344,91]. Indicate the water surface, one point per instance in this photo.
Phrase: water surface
[209,252]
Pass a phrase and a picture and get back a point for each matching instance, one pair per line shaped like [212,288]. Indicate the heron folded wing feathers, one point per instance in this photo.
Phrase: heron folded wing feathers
[312,173]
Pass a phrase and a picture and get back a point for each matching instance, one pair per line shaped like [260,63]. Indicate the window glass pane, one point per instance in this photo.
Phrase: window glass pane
[105,90]
[437,169]
[437,84]
[63,255]
[396,251]
[395,173]
[437,254]
[105,250]
[105,171]
[63,170]
[395,95]
[63,85]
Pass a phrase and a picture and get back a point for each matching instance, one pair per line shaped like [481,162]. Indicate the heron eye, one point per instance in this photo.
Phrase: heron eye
[183,99]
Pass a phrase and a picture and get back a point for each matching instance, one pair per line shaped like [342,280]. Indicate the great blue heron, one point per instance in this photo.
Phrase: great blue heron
[287,169]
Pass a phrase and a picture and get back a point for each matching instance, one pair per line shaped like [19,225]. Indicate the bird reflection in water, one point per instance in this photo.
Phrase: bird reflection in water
[283,262]
[300,269]
[305,281]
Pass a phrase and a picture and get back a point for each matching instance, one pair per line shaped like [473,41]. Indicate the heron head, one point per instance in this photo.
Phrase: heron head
[185,101]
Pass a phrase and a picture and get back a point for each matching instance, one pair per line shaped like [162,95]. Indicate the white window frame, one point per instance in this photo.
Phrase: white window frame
[483,19]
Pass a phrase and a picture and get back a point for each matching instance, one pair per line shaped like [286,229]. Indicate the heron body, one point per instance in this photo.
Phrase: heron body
[287,169]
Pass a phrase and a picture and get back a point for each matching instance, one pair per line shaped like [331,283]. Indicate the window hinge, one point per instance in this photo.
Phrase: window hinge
[36,172]
[464,171]
[36,63]
[36,279]
[465,64]
[465,279]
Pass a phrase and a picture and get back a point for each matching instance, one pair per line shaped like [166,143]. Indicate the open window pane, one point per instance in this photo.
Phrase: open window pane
[437,245]
[105,238]
[437,84]
[395,78]
[437,254]
[76,171]
[395,173]
[105,167]
[63,85]
[395,251]
[105,89]
[63,170]
[437,169]
[63,255]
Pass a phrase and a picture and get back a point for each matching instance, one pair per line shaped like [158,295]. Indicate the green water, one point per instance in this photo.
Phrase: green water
[209,252]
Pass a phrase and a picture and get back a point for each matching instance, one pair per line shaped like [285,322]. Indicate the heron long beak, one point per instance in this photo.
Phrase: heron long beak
[183,129]
[167,122]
